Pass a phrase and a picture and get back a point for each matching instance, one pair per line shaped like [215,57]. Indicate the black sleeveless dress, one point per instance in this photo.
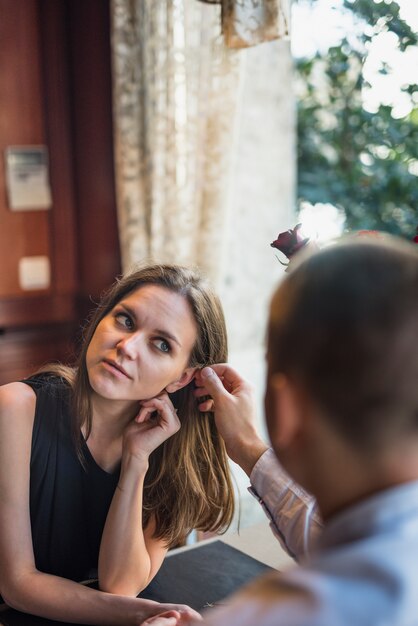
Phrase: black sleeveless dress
[68,503]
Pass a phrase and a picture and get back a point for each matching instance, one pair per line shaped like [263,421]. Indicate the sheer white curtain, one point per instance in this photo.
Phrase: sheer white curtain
[175,92]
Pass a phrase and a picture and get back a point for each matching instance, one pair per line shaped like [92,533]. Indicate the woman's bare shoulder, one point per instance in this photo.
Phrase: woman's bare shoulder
[17,399]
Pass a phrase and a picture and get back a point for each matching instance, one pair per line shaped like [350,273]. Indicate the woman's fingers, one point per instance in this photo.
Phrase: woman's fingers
[159,416]
[156,422]
[158,408]
[169,618]
[145,414]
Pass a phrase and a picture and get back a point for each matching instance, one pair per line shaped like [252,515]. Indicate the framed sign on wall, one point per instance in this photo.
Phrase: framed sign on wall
[27,178]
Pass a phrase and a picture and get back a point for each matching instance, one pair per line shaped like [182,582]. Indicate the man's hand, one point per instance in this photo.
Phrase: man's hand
[232,400]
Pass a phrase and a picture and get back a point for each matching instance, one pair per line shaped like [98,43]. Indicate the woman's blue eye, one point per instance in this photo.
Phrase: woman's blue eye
[162,345]
[124,320]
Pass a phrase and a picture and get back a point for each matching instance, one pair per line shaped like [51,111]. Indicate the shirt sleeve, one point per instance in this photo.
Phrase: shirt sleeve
[272,600]
[293,513]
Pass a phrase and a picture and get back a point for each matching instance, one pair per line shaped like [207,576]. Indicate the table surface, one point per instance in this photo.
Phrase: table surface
[257,541]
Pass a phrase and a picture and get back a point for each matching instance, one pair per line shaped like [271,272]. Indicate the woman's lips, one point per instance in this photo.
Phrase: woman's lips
[115,368]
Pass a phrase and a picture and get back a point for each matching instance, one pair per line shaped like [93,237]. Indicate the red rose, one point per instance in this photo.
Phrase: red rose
[290,241]
[415,239]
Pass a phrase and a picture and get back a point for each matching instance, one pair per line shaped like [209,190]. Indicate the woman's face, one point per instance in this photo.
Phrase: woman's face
[142,346]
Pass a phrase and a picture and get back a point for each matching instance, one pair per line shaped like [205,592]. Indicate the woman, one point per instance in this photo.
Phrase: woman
[107,465]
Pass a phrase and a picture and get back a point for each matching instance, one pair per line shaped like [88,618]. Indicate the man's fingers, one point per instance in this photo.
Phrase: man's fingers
[211,381]
[231,380]
[206,406]
[199,392]
[227,374]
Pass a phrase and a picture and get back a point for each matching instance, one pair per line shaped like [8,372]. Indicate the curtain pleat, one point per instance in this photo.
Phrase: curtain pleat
[175,95]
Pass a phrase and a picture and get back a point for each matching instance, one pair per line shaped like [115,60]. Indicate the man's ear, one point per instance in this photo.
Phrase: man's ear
[285,417]
[184,380]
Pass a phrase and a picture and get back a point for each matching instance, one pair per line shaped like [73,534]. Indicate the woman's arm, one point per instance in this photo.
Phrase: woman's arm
[22,586]
[129,555]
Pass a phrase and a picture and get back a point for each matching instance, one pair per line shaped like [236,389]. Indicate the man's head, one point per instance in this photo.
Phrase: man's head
[344,333]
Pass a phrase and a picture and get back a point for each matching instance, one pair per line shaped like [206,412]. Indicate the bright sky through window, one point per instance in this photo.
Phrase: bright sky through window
[319,25]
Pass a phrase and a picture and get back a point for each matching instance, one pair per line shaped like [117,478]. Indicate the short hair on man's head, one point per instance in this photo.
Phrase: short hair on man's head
[344,325]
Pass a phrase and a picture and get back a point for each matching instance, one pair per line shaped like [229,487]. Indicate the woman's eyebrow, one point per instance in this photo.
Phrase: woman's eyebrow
[129,310]
[167,335]
[164,333]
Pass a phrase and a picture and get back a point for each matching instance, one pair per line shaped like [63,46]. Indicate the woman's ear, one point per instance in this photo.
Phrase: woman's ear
[184,380]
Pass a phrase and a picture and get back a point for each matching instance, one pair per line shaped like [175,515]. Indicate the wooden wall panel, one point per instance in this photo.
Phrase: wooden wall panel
[89,34]
[58,113]
[25,351]
[21,115]
[22,233]
[55,88]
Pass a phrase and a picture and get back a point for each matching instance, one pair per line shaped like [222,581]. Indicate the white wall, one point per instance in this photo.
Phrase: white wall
[261,205]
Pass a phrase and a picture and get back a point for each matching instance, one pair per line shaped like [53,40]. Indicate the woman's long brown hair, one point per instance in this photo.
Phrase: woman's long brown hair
[188,484]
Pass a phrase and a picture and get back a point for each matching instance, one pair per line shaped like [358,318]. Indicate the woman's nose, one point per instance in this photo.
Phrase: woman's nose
[129,345]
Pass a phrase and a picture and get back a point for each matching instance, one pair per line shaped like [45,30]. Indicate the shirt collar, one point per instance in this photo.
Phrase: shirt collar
[375,515]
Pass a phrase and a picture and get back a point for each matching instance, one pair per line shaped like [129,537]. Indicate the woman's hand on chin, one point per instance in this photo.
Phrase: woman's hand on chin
[156,421]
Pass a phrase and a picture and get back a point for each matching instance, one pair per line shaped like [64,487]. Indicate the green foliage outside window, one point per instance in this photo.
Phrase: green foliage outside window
[364,163]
